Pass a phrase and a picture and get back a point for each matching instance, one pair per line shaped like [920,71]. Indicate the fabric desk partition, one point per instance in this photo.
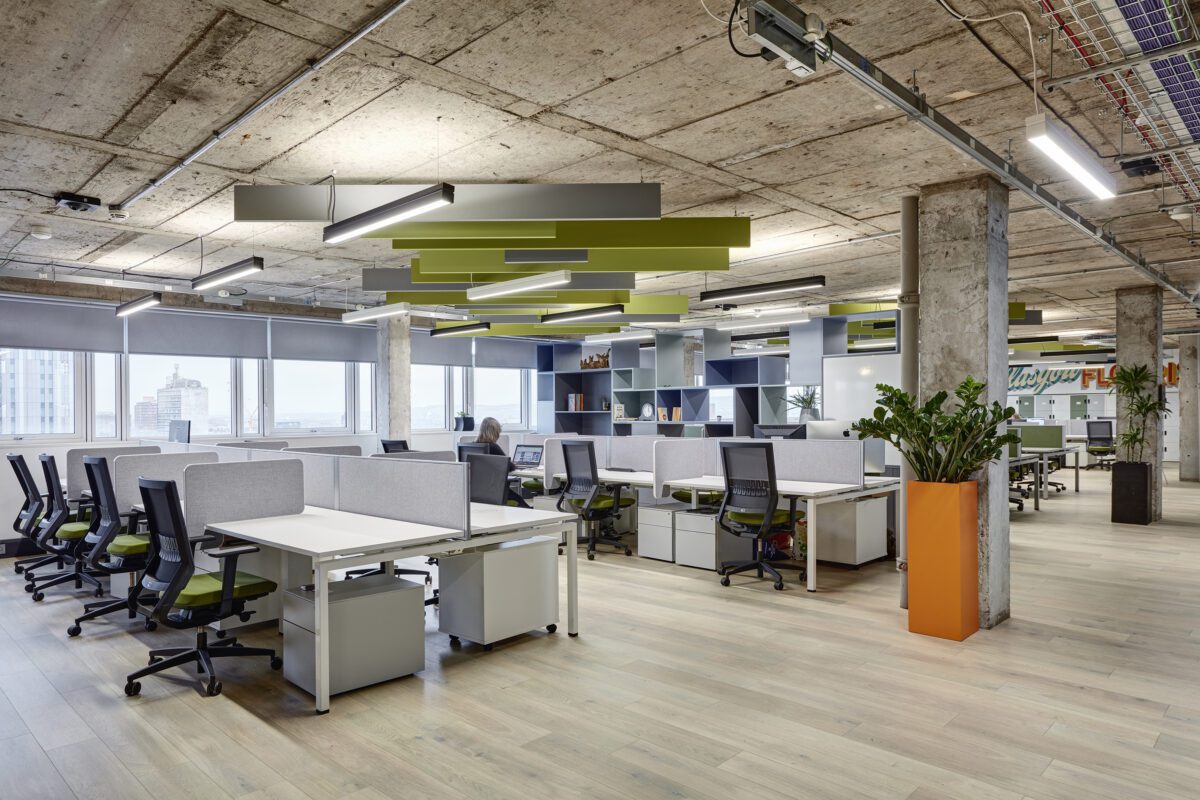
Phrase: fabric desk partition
[77,478]
[632,452]
[540,438]
[265,444]
[824,460]
[676,458]
[320,474]
[420,455]
[328,449]
[1051,436]
[503,441]
[160,467]
[426,492]
[231,491]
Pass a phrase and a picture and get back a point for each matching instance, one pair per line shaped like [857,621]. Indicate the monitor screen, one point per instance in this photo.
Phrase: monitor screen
[779,432]
[471,447]
[179,430]
[527,455]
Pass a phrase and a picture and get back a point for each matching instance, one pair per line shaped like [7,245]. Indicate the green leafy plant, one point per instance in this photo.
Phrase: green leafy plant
[941,447]
[805,399]
[1136,386]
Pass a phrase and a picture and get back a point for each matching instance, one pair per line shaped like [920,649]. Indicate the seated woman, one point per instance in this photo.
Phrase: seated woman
[489,434]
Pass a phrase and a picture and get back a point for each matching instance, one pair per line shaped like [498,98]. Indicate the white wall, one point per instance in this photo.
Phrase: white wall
[848,389]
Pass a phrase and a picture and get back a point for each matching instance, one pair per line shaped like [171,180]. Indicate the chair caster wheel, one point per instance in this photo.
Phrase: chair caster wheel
[276,663]
[591,556]
[779,586]
[74,630]
[29,587]
[724,580]
[151,625]
[38,597]
[551,628]
[18,568]
[222,634]
[213,689]
[628,551]
[487,648]
[133,688]
[99,592]
[453,639]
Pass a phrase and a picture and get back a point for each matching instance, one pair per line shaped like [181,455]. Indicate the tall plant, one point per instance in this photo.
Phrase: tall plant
[941,447]
[1135,385]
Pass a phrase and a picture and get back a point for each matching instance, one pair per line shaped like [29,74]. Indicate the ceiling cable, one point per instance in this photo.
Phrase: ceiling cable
[1028,29]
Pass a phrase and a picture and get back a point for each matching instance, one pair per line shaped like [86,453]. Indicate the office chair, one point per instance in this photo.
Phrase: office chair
[1100,444]
[57,534]
[115,549]
[394,445]
[703,499]
[188,599]
[750,509]
[489,478]
[583,493]
[29,516]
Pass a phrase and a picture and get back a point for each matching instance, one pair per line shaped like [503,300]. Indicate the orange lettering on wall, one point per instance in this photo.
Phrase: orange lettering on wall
[1171,373]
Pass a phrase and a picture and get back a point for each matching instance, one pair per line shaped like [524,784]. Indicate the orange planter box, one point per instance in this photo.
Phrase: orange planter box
[943,559]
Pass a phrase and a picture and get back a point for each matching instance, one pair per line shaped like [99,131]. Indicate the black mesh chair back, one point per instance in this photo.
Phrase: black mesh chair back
[171,565]
[1100,432]
[57,510]
[394,445]
[489,478]
[749,469]
[31,510]
[582,478]
[107,522]
[467,448]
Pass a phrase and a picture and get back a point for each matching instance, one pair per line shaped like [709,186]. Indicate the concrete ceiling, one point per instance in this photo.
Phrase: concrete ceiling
[99,97]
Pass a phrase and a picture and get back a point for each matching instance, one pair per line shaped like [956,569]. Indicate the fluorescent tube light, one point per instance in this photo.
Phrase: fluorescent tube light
[378,312]
[478,327]
[763,289]
[142,303]
[240,269]
[1078,163]
[545,256]
[584,314]
[529,283]
[876,345]
[390,213]
[761,323]
[624,336]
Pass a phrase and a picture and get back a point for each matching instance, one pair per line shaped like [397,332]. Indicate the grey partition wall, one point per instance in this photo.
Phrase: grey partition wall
[420,455]
[328,449]
[264,444]
[320,473]
[77,478]
[632,452]
[126,470]
[428,492]
[821,460]
[229,491]
[503,441]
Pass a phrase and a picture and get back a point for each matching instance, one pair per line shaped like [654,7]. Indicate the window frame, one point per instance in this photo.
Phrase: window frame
[268,390]
[235,388]
[81,397]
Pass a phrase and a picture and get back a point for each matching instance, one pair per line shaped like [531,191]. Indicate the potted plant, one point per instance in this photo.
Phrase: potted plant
[1132,477]
[946,449]
[464,422]
[806,401]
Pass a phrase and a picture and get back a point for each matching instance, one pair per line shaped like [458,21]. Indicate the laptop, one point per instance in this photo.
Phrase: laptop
[527,456]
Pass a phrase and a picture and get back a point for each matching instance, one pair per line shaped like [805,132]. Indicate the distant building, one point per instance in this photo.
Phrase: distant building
[145,416]
[182,398]
[37,392]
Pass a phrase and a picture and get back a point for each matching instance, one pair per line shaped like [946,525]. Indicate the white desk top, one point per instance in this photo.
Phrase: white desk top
[1046,450]
[635,478]
[716,483]
[324,533]
[487,518]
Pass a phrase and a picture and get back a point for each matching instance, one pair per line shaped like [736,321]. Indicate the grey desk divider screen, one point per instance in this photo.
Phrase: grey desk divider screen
[821,460]
[420,455]
[229,491]
[505,441]
[426,492]
[677,458]
[265,444]
[125,471]
[320,474]
[328,449]
[632,452]
[77,478]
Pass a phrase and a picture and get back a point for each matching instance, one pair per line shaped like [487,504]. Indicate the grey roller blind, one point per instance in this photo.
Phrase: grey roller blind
[510,353]
[448,350]
[322,341]
[197,333]
[59,325]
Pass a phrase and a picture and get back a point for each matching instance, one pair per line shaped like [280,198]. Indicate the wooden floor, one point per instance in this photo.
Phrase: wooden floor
[677,687]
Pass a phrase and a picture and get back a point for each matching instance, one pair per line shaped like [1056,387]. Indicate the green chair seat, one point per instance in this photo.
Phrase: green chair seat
[533,486]
[204,589]
[512,503]
[130,545]
[72,530]
[601,502]
[780,517]
[704,498]
[626,502]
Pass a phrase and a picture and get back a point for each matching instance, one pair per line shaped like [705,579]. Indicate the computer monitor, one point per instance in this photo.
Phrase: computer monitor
[830,429]
[179,430]
[394,445]
[527,456]
[779,432]
[471,447]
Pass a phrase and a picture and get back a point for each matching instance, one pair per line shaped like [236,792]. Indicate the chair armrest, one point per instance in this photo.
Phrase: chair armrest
[236,550]
[229,572]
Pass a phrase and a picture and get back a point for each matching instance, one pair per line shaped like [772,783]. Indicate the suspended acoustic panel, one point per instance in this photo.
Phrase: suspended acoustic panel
[438,262]
[459,298]
[681,232]
[507,329]
[404,280]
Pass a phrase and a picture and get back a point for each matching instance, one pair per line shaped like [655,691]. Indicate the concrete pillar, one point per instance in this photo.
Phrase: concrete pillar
[963,331]
[910,316]
[393,378]
[1139,341]
[1189,407]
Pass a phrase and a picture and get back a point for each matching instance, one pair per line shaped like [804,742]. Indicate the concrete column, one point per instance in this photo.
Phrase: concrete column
[393,378]
[910,316]
[1189,407]
[963,331]
[1139,341]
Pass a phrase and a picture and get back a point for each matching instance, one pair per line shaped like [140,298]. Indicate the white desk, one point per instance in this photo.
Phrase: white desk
[813,493]
[1045,454]
[637,479]
[340,540]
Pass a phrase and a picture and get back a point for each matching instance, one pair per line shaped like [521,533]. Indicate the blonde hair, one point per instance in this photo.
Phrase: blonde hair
[489,431]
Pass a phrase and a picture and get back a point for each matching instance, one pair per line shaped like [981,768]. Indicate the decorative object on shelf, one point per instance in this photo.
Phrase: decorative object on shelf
[647,411]
[604,405]
[619,411]
[806,400]
[945,450]
[575,402]
[597,361]
[676,414]
[1132,480]
[464,422]
[662,414]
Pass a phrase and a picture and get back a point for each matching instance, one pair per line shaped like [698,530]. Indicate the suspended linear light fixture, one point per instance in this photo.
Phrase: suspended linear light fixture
[378,312]
[239,269]
[1077,162]
[545,256]
[529,283]
[623,336]
[743,325]
[390,213]
[142,303]
[478,327]
[582,314]
[763,289]
[874,345]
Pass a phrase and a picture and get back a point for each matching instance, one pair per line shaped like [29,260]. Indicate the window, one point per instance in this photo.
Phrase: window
[104,395]
[37,392]
[163,388]
[251,411]
[309,395]
[365,387]
[428,397]
[461,402]
[532,399]
[499,393]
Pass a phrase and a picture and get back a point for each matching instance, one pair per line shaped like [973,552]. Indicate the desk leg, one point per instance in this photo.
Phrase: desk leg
[811,568]
[284,584]
[1037,485]
[321,634]
[1076,469]
[695,498]
[573,582]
